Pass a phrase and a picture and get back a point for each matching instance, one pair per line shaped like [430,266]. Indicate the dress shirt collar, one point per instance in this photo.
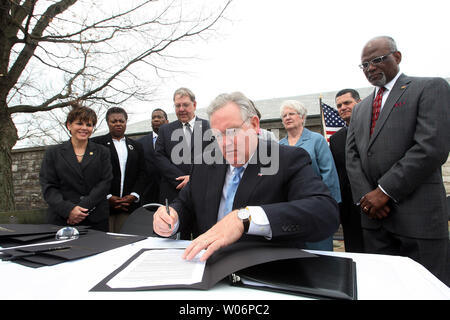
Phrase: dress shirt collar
[390,84]
[230,169]
[191,123]
[121,140]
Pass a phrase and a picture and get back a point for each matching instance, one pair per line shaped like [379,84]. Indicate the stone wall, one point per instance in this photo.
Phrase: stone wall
[27,162]
[25,169]
[446,176]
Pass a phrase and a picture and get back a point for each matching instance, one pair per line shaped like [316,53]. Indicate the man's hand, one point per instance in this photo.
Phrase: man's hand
[77,215]
[126,201]
[374,204]
[121,203]
[115,202]
[223,233]
[184,181]
[163,223]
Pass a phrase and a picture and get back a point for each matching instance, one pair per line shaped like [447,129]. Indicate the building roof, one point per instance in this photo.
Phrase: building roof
[269,108]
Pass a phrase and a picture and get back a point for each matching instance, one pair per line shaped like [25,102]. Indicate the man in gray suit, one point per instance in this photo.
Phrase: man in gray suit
[397,141]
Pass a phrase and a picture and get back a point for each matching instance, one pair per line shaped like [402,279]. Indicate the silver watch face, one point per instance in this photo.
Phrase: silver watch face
[243,214]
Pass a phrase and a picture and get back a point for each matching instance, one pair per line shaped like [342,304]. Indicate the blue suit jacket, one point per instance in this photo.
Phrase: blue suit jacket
[322,159]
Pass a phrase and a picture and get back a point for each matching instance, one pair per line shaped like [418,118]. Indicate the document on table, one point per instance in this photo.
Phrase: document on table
[159,267]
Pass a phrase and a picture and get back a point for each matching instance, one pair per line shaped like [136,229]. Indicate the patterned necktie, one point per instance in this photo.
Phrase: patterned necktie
[376,107]
[188,133]
[154,141]
[231,190]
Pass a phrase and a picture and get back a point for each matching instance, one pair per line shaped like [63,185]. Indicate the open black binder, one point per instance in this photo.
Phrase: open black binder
[267,267]
[323,277]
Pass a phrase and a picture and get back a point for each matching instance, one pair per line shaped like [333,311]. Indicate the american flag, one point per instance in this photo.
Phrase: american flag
[331,120]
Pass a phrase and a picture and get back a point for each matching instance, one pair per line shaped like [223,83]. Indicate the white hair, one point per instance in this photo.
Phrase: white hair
[297,106]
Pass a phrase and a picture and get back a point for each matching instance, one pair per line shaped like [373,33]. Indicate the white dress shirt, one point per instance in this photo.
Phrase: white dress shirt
[259,223]
[388,86]
[122,154]
[155,136]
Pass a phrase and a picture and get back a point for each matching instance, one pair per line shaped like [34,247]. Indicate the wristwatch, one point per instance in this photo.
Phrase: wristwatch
[244,215]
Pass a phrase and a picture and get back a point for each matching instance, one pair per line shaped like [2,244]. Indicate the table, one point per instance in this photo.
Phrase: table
[378,277]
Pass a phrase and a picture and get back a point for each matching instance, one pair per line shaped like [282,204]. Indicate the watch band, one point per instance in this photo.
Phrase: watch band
[246,221]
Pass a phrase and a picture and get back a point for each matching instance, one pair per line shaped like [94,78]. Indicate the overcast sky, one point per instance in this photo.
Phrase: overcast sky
[290,47]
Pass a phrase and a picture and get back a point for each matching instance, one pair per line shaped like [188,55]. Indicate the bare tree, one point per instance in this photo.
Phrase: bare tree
[53,53]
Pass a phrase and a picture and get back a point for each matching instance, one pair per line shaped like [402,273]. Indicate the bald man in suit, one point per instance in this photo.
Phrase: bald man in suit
[397,142]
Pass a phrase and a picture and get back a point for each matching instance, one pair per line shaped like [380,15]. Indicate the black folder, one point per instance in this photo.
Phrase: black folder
[323,277]
[86,245]
[12,235]
[269,267]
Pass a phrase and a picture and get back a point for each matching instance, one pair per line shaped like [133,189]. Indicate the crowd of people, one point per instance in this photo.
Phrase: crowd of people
[226,179]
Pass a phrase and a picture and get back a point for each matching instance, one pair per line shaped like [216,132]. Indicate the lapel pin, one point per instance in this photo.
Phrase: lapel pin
[130,147]
[108,143]
[91,153]
[402,87]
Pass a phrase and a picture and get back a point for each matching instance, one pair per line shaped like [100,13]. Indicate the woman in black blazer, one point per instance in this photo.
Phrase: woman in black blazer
[75,176]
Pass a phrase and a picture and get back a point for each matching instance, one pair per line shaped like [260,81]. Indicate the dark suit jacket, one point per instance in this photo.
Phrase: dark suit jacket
[170,140]
[151,192]
[297,203]
[66,183]
[135,177]
[349,212]
[404,155]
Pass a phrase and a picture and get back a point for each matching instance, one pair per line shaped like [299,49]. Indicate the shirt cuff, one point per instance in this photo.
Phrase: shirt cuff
[136,195]
[259,223]
[381,188]
[175,227]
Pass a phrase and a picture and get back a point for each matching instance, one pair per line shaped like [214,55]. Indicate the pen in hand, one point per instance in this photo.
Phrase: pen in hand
[168,211]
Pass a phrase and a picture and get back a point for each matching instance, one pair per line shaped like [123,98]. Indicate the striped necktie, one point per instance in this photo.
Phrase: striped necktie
[376,107]
[188,133]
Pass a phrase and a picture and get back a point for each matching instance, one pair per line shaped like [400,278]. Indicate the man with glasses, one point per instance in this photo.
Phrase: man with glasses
[236,199]
[398,139]
[178,143]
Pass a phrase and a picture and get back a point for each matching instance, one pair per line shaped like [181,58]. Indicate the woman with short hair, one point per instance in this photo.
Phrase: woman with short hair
[75,176]
[293,116]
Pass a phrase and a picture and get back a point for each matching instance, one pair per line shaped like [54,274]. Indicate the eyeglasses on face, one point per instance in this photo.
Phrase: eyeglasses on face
[184,105]
[229,133]
[374,61]
[290,114]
